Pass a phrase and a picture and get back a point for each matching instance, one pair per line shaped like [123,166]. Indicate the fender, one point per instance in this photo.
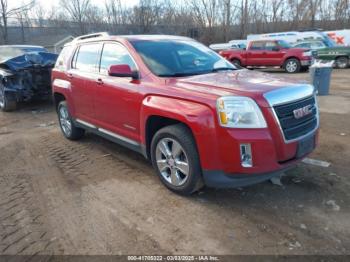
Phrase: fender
[198,117]
[63,87]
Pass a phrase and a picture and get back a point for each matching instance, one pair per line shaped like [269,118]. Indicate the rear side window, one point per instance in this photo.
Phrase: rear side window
[61,62]
[115,54]
[257,46]
[270,45]
[87,57]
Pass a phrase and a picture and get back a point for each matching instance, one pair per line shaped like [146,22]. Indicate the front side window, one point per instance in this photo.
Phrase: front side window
[115,54]
[172,58]
[87,57]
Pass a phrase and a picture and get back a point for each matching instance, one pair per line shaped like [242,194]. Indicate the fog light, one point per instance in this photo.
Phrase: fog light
[246,155]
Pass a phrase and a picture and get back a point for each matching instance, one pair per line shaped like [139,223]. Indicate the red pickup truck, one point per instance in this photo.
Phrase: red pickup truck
[268,53]
[198,118]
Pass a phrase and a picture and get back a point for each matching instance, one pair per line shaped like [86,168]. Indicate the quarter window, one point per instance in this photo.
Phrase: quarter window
[115,54]
[87,58]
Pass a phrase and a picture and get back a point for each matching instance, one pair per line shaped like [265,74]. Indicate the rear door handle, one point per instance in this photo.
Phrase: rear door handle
[70,75]
[99,81]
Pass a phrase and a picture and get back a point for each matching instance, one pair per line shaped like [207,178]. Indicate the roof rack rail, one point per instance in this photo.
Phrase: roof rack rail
[94,35]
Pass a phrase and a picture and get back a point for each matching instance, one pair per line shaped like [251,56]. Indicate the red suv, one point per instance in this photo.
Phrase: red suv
[199,119]
[271,53]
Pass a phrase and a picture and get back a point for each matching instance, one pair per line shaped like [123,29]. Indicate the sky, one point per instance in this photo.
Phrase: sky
[47,4]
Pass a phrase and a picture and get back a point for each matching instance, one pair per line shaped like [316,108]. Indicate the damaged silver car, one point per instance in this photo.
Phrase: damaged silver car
[25,74]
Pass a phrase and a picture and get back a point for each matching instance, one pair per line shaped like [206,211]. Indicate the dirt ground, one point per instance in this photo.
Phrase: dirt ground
[95,197]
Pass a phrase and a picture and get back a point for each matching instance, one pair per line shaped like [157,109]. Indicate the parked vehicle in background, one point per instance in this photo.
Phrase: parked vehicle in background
[339,54]
[25,74]
[313,45]
[295,36]
[199,119]
[224,46]
[270,53]
[340,37]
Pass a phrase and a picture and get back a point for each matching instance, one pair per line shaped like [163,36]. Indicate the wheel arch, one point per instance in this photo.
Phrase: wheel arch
[158,112]
[58,98]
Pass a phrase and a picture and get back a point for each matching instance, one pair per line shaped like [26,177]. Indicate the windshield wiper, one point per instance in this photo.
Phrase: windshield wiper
[178,74]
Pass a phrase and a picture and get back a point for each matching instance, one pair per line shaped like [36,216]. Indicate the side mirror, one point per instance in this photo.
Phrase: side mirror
[123,71]
[275,48]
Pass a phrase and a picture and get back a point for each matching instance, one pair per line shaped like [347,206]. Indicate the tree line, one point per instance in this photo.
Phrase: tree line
[207,20]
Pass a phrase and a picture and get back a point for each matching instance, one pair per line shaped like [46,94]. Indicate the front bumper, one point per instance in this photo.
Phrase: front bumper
[306,62]
[220,179]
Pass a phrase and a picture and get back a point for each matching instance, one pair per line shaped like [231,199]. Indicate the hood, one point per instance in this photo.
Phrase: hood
[28,60]
[241,82]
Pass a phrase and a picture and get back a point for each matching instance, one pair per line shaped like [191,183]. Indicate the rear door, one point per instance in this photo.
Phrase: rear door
[82,75]
[255,54]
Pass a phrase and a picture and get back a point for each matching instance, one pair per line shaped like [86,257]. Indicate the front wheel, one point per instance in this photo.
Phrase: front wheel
[236,62]
[68,128]
[175,158]
[342,62]
[6,104]
[292,65]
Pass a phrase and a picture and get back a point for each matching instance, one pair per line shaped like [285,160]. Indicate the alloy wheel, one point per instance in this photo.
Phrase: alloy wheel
[2,96]
[172,161]
[65,121]
[342,62]
[291,66]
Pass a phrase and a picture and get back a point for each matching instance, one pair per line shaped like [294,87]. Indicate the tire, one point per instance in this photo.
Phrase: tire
[236,62]
[292,65]
[342,62]
[6,105]
[69,130]
[172,148]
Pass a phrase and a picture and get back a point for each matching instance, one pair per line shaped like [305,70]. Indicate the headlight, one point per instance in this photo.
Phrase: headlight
[307,53]
[239,112]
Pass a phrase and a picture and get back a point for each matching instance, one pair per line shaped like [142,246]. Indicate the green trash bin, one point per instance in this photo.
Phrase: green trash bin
[321,78]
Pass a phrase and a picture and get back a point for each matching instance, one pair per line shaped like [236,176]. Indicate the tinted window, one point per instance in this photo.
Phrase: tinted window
[87,58]
[180,57]
[115,54]
[270,45]
[257,46]
[303,45]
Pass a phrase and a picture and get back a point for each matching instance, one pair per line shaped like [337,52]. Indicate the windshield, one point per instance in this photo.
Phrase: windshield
[167,58]
[284,44]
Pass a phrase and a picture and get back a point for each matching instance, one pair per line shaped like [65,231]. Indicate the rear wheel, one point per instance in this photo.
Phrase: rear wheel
[6,104]
[342,62]
[68,128]
[292,65]
[175,157]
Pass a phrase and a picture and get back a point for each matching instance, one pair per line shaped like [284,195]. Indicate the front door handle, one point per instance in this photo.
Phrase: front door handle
[70,75]
[99,81]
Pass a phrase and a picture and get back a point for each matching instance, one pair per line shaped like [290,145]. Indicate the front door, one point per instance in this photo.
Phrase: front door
[117,101]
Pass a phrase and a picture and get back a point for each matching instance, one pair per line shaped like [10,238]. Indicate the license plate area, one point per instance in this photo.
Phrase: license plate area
[305,146]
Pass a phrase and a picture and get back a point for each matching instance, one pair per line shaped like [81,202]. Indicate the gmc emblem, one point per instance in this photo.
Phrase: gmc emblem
[301,112]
